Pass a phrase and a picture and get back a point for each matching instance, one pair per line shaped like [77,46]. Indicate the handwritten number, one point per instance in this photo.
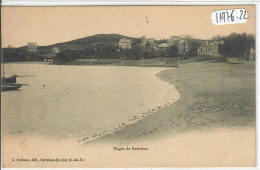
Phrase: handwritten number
[222,16]
[241,13]
[245,15]
[230,16]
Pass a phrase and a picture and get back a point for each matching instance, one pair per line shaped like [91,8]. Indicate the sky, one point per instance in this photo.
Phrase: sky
[49,25]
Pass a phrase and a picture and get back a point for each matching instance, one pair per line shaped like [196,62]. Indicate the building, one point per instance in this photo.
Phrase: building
[55,50]
[184,47]
[174,40]
[125,43]
[212,49]
[148,43]
[32,47]
[164,49]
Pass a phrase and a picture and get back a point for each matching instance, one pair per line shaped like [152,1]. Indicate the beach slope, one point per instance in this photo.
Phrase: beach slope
[213,95]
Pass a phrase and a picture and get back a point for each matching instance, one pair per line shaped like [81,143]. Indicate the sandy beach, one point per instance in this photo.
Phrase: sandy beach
[211,125]
[213,95]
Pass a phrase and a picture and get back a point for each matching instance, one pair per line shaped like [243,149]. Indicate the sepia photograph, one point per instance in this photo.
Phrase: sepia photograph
[128,86]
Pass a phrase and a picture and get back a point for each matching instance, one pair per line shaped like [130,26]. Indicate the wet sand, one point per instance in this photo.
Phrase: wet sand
[213,95]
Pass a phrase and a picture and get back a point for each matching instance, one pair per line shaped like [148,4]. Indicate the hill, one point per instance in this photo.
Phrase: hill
[82,43]
[107,42]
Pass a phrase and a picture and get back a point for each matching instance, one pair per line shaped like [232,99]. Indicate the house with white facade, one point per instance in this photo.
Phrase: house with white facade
[125,44]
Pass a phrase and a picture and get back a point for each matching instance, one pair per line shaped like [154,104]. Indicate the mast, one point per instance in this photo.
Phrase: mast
[3,63]
[2,59]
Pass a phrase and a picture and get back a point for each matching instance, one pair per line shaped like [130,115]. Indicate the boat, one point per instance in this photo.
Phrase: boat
[11,79]
[10,86]
[8,83]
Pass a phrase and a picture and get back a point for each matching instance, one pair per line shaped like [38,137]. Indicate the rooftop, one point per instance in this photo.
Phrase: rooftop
[125,40]
[182,41]
[163,45]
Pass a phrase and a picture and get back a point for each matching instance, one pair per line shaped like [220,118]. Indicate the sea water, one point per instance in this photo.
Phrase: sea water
[81,103]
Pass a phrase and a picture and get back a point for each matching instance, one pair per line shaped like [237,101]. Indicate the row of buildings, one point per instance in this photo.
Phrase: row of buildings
[183,46]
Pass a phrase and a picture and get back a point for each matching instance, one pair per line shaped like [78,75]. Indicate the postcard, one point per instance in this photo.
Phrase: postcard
[128,86]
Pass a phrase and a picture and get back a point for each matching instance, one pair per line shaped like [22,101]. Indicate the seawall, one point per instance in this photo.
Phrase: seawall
[155,62]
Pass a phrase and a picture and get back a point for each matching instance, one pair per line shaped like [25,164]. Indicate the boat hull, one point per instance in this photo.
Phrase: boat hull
[8,87]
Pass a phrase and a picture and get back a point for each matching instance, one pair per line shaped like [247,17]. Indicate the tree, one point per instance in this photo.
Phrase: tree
[147,45]
[238,45]
[217,38]
[162,41]
[67,56]
[186,37]
[136,41]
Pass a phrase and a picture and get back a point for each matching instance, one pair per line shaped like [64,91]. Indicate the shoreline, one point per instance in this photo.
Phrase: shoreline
[102,64]
[201,105]
[137,117]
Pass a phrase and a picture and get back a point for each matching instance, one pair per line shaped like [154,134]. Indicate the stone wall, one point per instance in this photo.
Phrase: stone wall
[161,62]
